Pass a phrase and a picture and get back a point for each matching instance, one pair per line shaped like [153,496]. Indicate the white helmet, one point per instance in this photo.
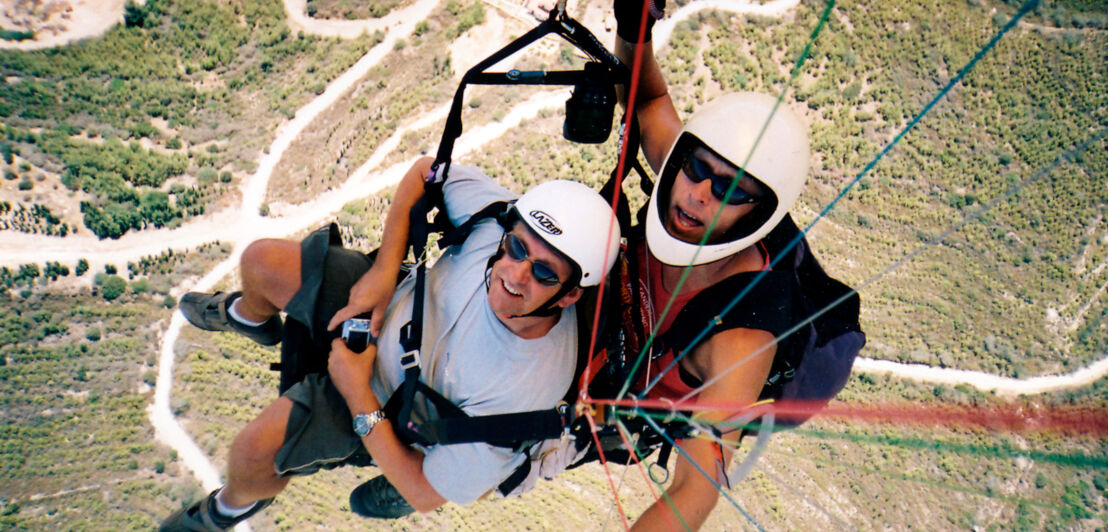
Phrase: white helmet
[730,127]
[576,221]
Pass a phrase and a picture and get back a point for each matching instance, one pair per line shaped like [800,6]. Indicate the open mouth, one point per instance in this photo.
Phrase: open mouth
[684,218]
[509,290]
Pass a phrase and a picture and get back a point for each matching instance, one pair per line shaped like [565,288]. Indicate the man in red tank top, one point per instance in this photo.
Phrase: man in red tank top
[743,135]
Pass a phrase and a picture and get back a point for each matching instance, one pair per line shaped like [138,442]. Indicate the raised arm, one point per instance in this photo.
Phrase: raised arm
[658,120]
[693,495]
[374,290]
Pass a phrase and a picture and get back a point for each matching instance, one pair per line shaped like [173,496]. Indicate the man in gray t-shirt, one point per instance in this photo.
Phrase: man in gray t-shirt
[499,336]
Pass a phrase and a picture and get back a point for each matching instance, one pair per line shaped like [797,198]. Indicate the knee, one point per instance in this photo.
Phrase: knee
[253,448]
[259,255]
[269,259]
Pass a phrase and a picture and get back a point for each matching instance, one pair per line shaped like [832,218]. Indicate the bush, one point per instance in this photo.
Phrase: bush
[26,184]
[173,143]
[82,267]
[114,286]
[207,175]
[10,175]
[93,333]
[225,177]
[169,301]
[140,286]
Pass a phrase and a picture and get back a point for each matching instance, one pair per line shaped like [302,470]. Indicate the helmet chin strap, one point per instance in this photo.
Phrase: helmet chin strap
[547,309]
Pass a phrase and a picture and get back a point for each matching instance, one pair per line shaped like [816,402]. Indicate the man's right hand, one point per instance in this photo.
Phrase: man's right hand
[372,293]
[629,16]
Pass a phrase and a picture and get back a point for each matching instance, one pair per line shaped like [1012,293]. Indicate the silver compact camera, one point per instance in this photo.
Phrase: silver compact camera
[356,335]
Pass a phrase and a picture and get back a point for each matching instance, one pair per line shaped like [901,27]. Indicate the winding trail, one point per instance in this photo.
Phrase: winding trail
[1003,386]
[243,224]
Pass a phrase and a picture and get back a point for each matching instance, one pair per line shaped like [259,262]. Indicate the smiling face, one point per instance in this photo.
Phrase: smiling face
[513,289]
[692,204]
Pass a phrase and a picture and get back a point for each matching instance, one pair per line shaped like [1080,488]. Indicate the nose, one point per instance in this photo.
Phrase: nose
[702,192]
[518,271]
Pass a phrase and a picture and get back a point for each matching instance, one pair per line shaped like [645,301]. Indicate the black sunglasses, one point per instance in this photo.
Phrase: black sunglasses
[517,251]
[697,170]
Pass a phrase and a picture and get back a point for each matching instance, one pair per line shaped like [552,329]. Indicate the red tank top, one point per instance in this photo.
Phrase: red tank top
[671,385]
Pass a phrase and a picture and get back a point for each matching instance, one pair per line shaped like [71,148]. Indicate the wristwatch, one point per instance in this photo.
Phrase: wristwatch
[363,423]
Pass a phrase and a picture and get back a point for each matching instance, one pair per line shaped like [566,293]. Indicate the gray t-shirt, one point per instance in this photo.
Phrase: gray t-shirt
[467,354]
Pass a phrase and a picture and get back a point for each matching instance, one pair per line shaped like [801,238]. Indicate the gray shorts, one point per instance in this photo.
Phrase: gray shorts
[320,434]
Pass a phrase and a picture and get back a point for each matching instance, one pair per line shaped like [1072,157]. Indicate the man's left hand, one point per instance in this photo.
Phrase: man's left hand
[351,372]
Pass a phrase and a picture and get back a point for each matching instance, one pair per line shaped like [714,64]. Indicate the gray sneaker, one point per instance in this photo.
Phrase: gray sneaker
[209,312]
[201,516]
[377,498]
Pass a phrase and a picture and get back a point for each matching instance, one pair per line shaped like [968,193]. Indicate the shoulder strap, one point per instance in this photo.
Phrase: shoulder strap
[458,234]
[709,306]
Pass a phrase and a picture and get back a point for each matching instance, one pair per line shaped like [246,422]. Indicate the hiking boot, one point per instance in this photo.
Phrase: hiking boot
[201,516]
[209,312]
[377,498]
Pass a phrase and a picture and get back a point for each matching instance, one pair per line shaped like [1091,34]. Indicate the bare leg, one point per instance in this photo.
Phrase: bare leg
[251,475]
[270,277]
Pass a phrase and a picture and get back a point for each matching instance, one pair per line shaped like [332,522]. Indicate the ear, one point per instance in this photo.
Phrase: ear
[571,297]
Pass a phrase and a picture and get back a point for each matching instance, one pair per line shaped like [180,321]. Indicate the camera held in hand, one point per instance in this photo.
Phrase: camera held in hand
[356,334]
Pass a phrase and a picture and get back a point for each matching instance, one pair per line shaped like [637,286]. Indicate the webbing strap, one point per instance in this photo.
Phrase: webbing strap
[459,234]
[501,430]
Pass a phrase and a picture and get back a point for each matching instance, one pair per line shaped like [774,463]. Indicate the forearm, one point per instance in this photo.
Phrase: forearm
[654,109]
[689,500]
[394,242]
[651,83]
[689,510]
[400,463]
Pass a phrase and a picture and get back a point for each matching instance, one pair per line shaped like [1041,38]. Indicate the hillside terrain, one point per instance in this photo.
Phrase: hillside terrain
[162,121]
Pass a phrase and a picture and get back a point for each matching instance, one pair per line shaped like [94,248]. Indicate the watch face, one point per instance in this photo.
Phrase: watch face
[363,423]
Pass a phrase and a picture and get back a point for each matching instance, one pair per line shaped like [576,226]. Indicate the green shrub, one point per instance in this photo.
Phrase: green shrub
[225,177]
[169,301]
[207,175]
[114,286]
[140,286]
[93,333]
[82,267]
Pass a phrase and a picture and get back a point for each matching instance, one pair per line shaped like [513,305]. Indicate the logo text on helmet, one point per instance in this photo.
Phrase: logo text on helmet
[546,222]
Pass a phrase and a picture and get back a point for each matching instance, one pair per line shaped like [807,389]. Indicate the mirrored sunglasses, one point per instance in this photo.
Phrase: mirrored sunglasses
[541,271]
